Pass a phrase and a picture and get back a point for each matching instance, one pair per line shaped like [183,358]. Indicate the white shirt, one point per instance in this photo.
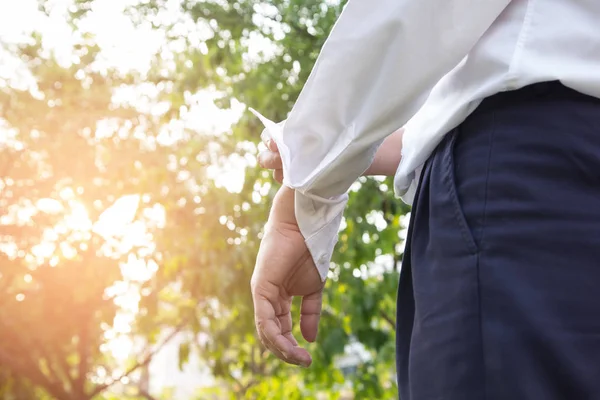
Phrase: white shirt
[425,65]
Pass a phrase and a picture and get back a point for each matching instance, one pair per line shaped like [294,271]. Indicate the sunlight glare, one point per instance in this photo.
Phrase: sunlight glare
[78,219]
[115,219]
[125,47]
[119,347]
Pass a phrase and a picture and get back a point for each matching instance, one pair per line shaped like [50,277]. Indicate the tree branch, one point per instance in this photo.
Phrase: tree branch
[397,262]
[32,373]
[144,393]
[58,366]
[388,319]
[237,382]
[83,350]
[141,363]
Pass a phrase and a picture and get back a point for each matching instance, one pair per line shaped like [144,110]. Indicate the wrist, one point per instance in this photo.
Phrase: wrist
[283,209]
[388,156]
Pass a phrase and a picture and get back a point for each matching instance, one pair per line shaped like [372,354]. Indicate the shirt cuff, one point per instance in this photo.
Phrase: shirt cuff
[319,221]
[318,218]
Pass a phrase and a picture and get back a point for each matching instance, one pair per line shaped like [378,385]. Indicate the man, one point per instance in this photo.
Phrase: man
[500,158]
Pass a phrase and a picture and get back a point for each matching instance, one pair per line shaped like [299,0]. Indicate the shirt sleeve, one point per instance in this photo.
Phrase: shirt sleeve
[375,69]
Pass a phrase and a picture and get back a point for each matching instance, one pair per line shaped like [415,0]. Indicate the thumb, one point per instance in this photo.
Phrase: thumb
[310,314]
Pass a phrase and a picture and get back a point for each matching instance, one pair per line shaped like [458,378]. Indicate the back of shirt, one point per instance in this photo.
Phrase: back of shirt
[531,41]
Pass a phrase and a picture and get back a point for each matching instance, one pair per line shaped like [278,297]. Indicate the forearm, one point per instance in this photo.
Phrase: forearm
[388,156]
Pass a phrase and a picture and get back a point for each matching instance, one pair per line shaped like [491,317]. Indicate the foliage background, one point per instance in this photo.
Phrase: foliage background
[130,217]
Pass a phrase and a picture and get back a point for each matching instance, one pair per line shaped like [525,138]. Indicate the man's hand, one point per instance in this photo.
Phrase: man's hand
[284,269]
[271,159]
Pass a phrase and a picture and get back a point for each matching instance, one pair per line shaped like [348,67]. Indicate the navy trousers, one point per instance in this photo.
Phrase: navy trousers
[499,295]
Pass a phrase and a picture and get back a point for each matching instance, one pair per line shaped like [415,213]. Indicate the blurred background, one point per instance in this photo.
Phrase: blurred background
[131,206]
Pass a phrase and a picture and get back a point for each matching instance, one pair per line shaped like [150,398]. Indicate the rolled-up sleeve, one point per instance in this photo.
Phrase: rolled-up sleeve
[376,68]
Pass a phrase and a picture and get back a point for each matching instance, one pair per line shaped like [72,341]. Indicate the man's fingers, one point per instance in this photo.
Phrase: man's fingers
[271,145]
[285,323]
[277,343]
[275,329]
[291,338]
[310,314]
[271,347]
[269,159]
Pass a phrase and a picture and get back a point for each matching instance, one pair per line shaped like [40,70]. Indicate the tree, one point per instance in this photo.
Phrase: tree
[67,154]
[71,149]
